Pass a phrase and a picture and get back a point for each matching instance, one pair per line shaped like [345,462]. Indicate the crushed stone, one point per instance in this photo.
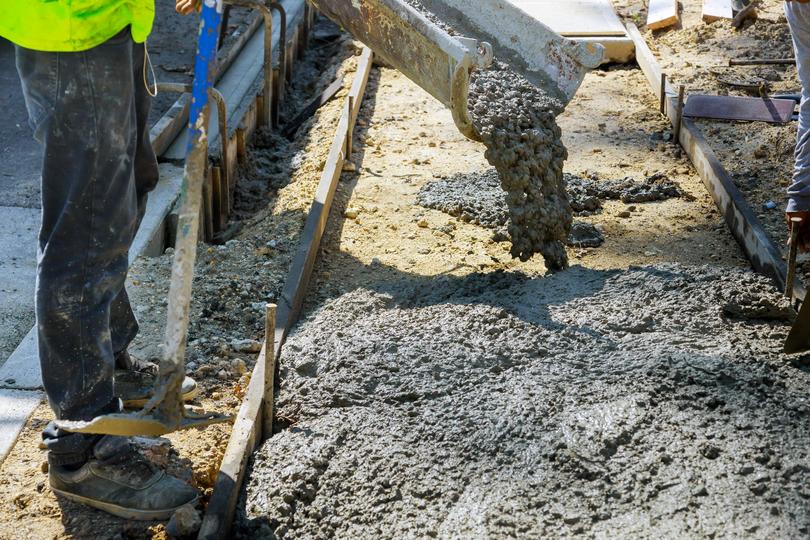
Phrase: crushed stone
[501,406]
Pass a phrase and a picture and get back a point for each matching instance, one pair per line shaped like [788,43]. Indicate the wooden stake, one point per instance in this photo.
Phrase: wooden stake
[679,120]
[261,112]
[269,370]
[795,226]
[217,196]
[241,145]
[349,142]
[663,106]
[208,209]
[278,94]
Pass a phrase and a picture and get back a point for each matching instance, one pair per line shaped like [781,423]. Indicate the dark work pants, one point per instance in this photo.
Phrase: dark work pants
[89,110]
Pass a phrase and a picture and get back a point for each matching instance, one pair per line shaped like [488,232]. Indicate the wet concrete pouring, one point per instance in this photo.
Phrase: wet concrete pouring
[649,401]
[439,387]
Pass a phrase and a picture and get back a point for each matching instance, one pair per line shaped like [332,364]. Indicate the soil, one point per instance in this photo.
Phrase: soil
[758,156]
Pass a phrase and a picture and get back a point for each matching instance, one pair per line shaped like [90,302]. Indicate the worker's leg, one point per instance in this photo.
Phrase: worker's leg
[798,17]
[123,324]
[82,109]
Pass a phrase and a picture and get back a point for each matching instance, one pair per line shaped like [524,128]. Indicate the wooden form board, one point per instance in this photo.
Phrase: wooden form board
[764,255]
[662,14]
[247,431]
[714,10]
[572,18]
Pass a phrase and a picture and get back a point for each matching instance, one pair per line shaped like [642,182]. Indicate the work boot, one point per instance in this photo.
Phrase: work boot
[119,480]
[134,381]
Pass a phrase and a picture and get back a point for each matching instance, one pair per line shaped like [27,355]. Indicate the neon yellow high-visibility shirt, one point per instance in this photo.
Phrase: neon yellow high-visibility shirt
[73,25]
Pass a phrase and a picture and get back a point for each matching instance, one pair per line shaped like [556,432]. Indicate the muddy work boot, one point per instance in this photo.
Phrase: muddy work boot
[119,480]
[134,381]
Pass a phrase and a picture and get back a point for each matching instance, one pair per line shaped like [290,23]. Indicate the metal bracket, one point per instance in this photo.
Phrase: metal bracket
[265,10]
[222,114]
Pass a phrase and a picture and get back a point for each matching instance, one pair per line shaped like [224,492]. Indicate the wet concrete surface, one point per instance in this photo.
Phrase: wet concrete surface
[651,402]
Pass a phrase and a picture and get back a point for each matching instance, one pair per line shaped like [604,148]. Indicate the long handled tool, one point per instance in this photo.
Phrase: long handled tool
[165,412]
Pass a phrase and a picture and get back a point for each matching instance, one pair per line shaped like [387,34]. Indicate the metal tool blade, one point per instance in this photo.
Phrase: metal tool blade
[138,424]
[798,339]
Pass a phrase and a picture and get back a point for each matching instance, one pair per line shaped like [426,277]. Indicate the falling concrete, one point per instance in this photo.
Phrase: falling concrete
[652,402]
[516,121]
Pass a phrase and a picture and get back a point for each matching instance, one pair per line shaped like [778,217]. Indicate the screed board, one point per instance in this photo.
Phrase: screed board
[662,14]
[714,10]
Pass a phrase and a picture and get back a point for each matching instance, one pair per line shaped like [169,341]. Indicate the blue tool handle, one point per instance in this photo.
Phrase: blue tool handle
[204,70]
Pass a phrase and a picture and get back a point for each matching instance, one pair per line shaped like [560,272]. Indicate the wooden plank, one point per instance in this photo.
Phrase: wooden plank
[310,108]
[662,14]
[764,255]
[714,10]
[575,18]
[247,430]
[294,291]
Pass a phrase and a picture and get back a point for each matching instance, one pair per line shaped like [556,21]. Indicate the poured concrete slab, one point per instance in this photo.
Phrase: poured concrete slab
[15,408]
[18,244]
[593,21]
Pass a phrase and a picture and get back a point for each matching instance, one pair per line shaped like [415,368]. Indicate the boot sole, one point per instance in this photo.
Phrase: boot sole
[122,512]
[138,403]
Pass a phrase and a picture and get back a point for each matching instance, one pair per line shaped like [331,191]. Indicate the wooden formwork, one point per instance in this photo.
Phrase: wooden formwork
[764,255]
[248,430]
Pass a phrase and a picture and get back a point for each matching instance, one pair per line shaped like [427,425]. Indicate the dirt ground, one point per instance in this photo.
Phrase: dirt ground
[758,156]
[379,237]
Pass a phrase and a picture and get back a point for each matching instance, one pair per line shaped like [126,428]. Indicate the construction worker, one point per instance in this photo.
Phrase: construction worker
[798,18]
[82,65]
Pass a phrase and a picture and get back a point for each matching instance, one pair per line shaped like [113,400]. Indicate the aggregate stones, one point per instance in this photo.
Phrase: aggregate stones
[646,402]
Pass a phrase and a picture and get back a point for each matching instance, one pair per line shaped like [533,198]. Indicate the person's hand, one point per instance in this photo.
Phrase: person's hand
[184,7]
[804,229]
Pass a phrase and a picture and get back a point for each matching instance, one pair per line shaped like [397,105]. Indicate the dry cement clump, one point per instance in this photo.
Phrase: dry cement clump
[474,198]
[516,121]
[587,193]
